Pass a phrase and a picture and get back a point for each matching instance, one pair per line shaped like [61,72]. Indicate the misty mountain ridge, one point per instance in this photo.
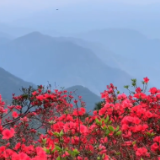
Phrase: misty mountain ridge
[59,59]
[112,59]
[132,48]
[10,84]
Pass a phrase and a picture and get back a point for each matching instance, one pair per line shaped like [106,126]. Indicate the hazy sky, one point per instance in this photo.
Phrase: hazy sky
[17,9]
[34,4]
[41,4]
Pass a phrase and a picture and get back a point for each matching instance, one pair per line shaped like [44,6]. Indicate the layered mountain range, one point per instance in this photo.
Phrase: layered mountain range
[90,60]
[41,59]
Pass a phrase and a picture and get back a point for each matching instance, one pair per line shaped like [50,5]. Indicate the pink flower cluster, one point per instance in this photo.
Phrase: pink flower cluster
[126,127]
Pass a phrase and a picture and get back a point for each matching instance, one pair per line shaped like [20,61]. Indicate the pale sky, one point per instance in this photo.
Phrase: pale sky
[35,4]
[42,4]
[16,9]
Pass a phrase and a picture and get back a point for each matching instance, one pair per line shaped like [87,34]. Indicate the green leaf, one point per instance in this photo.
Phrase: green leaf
[134,84]
[70,152]
[118,133]
[47,150]
[134,80]
[102,119]
[76,152]
[61,133]
[98,158]
[107,132]
[58,148]
[53,151]
[44,141]
[134,143]
[106,120]
[104,128]
[118,153]
[116,129]
[148,133]
[51,122]
[98,122]
[110,122]
[152,134]
[58,158]
[66,112]
[111,128]
[56,134]
[127,86]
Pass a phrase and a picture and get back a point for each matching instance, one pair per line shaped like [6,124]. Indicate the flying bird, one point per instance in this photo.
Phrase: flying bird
[56,9]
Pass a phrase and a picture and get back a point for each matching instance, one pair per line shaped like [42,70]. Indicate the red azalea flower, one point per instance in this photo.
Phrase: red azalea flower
[15,114]
[146,80]
[7,134]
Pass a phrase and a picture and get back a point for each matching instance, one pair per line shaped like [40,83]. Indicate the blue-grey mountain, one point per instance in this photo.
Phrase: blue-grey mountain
[39,58]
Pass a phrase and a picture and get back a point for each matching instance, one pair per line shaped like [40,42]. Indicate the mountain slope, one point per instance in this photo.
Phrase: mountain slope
[10,84]
[101,51]
[42,58]
[114,60]
[119,40]
[134,51]
[4,38]
[88,97]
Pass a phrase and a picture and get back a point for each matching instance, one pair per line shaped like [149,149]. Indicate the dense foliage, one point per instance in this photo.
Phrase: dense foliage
[126,127]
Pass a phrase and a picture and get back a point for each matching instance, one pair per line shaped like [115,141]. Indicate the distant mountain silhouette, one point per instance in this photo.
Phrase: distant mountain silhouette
[39,58]
[119,40]
[135,53]
[101,51]
[88,97]
[115,60]
[10,84]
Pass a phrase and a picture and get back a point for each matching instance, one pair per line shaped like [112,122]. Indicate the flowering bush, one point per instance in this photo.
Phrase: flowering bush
[126,127]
